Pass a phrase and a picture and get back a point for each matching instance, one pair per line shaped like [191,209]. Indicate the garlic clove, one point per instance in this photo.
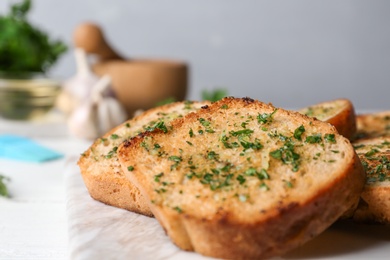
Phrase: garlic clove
[78,88]
[110,113]
[82,122]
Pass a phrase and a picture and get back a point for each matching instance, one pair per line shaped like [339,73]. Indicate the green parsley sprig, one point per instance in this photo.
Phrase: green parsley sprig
[24,47]
[214,95]
[3,187]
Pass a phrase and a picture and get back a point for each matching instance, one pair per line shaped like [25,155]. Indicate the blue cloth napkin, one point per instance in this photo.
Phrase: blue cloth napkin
[24,149]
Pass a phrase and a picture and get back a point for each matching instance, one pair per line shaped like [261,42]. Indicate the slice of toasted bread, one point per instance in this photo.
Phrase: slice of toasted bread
[374,205]
[243,179]
[373,125]
[339,112]
[100,167]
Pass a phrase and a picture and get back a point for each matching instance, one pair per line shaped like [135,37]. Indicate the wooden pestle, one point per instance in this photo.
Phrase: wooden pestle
[90,38]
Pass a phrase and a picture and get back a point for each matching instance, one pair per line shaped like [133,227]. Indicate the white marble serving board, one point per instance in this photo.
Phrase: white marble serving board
[98,231]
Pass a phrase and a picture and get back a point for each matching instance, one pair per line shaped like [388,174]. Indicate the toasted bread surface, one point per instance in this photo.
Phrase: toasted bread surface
[100,167]
[374,205]
[373,125]
[339,112]
[241,179]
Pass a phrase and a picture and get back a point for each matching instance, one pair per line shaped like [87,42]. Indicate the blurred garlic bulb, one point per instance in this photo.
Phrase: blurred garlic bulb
[98,114]
[81,122]
[77,89]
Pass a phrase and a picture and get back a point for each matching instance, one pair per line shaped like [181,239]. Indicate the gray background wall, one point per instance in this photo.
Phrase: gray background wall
[290,53]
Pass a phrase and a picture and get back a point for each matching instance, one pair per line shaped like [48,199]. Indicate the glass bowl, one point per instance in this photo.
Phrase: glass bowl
[27,98]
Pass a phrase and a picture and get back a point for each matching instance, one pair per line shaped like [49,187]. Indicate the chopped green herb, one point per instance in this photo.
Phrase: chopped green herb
[130,168]
[111,153]
[224,139]
[188,142]
[277,154]
[144,145]
[241,179]
[159,125]
[256,145]
[287,155]
[266,117]
[330,138]
[215,171]
[191,133]
[358,146]
[245,132]
[224,106]
[178,209]
[212,155]
[161,190]
[263,174]
[204,122]
[215,181]
[190,175]
[158,176]
[176,159]
[207,178]
[371,152]
[114,136]
[289,184]
[227,167]
[250,172]
[298,132]
[312,139]
[127,125]
[264,187]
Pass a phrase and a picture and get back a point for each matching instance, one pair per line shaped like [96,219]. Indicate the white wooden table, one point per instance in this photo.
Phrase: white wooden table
[33,221]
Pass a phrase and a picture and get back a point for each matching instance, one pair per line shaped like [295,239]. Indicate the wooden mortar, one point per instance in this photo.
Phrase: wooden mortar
[137,83]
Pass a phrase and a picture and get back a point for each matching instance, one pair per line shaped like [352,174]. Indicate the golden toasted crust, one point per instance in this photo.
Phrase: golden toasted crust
[242,179]
[374,205]
[373,125]
[339,112]
[100,167]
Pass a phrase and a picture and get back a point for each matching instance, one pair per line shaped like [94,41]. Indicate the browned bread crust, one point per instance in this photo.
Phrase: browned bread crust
[339,112]
[240,179]
[373,125]
[100,167]
[374,205]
